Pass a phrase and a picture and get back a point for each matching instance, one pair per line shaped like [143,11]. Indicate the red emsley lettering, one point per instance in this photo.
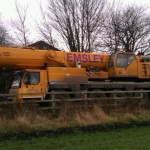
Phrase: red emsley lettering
[79,57]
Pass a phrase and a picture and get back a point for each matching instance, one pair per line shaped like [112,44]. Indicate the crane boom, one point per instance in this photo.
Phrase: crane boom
[31,58]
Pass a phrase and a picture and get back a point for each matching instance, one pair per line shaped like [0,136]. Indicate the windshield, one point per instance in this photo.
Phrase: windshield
[123,60]
[32,78]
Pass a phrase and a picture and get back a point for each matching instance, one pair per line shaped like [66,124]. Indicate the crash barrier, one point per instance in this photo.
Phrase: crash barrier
[84,95]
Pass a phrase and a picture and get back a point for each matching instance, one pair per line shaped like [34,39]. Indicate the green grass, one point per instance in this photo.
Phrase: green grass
[125,139]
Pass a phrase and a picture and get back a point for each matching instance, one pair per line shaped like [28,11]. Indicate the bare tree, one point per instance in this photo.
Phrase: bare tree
[44,28]
[20,26]
[5,38]
[78,22]
[128,29]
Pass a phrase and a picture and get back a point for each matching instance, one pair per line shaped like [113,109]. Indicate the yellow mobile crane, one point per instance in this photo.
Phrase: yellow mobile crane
[48,70]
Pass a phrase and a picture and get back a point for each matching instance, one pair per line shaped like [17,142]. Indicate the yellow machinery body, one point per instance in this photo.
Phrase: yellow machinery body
[71,71]
[127,65]
[45,78]
[50,67]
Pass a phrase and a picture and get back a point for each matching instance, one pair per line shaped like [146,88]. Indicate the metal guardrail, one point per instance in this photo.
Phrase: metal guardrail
[84,94]
[83,98]
[78,92]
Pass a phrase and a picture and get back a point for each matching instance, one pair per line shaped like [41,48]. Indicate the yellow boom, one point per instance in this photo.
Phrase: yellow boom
[35,59]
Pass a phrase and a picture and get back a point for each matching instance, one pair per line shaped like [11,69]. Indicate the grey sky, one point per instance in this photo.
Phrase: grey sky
[7,7]
[8,12]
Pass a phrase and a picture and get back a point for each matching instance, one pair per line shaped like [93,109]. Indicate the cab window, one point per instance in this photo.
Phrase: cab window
[121,60]
[130,58]
[32,78]
[16,82]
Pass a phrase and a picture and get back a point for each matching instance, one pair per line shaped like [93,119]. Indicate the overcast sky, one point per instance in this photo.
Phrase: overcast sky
[7,7]
[8,12]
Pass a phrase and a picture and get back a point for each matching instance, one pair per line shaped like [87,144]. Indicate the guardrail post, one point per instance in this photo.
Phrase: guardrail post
[85,97]
[14,99]
[53,96]
[141,101]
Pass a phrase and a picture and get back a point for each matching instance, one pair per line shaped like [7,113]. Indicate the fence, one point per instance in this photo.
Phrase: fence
[83,94]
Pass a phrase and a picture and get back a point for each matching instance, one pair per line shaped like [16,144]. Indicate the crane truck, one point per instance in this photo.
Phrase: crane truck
[41,71]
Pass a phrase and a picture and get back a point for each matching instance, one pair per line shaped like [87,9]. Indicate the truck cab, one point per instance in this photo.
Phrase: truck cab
[122,65]
[34,83]
[28,81]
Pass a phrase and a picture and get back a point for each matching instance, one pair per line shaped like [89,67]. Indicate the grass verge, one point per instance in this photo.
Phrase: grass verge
[25,122]
[135,138]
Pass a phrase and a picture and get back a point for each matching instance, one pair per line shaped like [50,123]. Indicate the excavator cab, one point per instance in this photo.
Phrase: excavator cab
[122,65]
